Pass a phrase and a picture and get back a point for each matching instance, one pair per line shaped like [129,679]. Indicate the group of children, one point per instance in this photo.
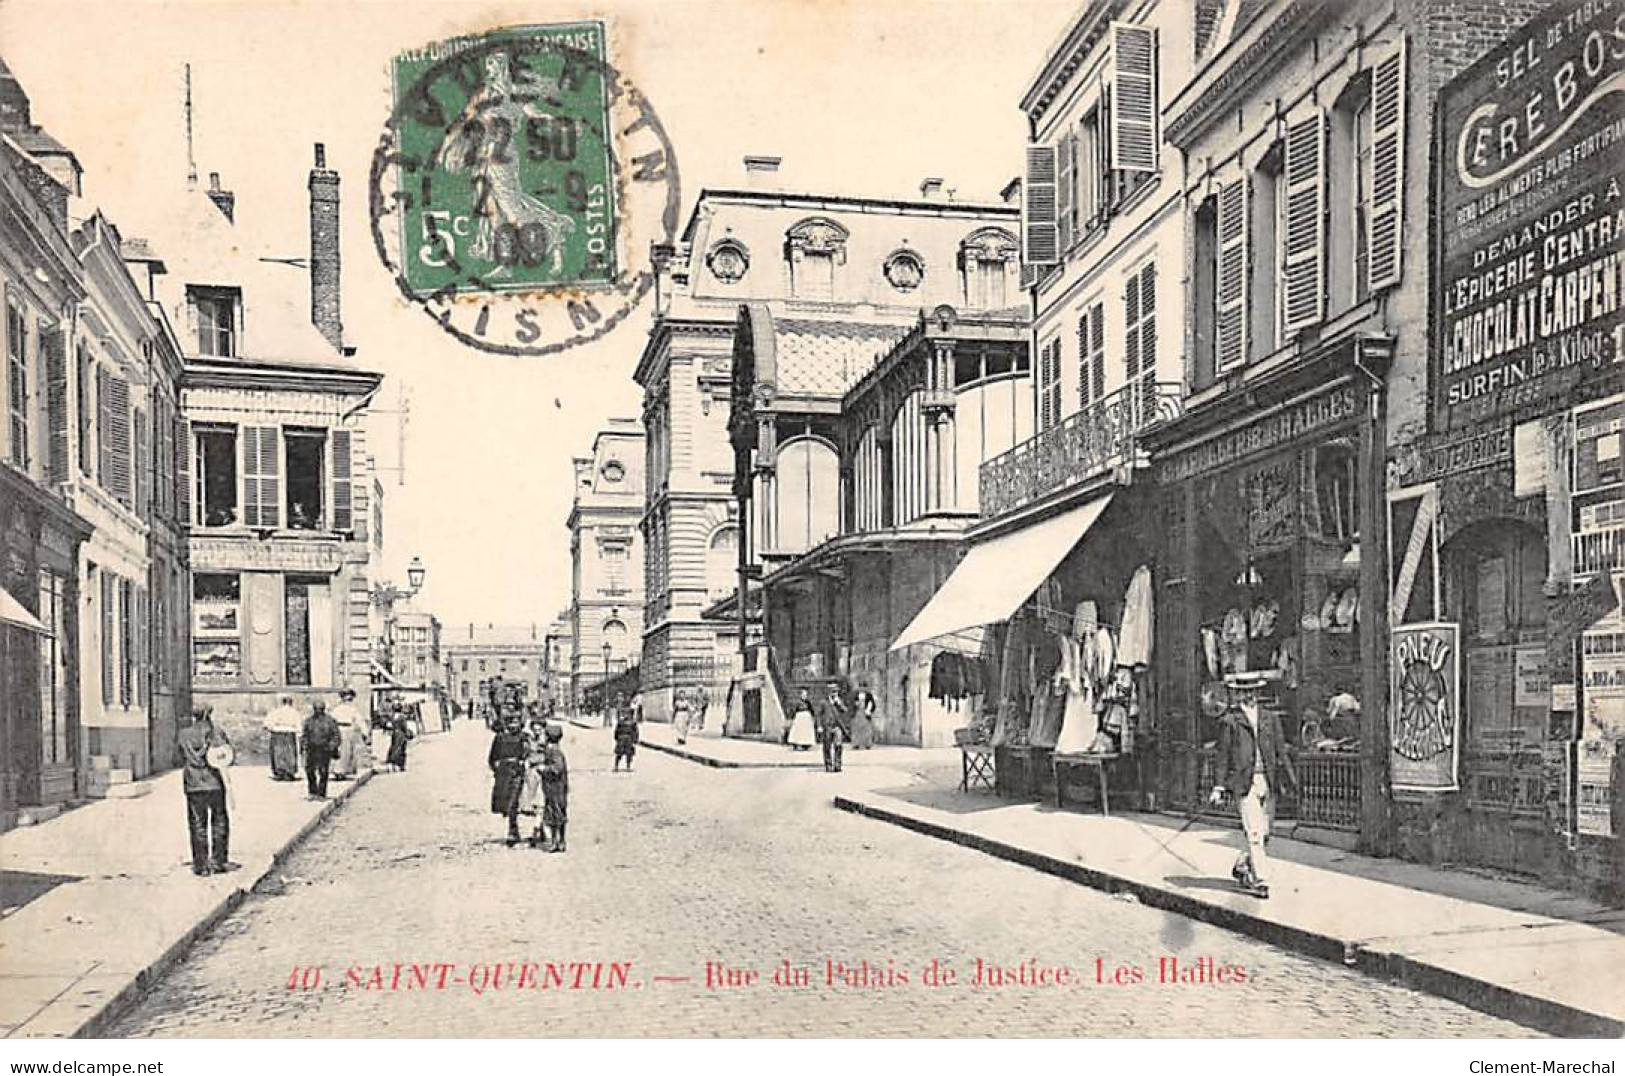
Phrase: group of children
[527,763]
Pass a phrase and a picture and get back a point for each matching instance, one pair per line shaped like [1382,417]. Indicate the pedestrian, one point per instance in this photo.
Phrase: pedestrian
[863,718]
[555,789]
[681,715]
[702,703]
[203,750]
[626,734]
[831,730]
[353,735]
[506,760]
[1252,761]
[282,726]
[400,734]
[802,734]
[322,739]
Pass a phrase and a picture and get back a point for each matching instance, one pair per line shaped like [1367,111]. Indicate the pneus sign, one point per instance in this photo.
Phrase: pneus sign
[1531,215]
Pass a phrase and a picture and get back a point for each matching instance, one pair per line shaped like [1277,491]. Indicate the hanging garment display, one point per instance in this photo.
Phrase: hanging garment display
[1078,721]
[1050,701]
[1105,655]
[1210,652]
[1134,637]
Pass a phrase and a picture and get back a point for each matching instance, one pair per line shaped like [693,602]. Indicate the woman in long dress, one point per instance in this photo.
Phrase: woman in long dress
[682,715]
[863,718]
[803,734]
[400,734]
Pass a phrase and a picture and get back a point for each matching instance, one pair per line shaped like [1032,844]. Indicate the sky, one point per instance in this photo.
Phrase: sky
[866,97]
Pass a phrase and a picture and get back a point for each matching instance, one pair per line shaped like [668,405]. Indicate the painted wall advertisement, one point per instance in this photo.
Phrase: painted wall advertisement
[1531,219]
[1425,664]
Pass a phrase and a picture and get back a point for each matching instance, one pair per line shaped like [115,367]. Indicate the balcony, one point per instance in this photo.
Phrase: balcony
[1083,445]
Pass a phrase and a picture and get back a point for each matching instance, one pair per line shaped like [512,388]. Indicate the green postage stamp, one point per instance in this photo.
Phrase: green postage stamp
[513,161]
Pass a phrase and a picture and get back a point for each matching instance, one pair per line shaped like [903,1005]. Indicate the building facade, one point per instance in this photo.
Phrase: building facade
[845,278]
[275,462]
[560,661]
[415,654]
[606,557]
[477,654]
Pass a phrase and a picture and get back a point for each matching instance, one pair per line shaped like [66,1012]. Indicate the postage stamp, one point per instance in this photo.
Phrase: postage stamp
[515,180]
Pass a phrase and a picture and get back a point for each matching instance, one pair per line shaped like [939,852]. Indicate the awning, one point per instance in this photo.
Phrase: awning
[383,679]
[997,575]
[13,615]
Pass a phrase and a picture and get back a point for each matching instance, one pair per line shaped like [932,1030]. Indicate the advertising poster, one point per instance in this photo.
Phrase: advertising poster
[1425,666]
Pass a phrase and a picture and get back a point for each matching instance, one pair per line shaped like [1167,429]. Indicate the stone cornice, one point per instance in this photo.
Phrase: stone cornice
[295,377]
[1063,63]
[1237,67]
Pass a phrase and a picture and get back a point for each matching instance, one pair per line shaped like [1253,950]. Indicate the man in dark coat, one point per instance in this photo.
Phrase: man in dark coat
[322,737]
[832,729]
[626,734]
[1253,759]
[507,762]
[205,788]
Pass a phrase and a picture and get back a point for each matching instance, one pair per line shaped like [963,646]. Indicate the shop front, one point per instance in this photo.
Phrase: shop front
[1273,563]
[1049,620]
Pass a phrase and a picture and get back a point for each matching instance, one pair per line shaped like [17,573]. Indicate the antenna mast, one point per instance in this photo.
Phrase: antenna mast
[191,162]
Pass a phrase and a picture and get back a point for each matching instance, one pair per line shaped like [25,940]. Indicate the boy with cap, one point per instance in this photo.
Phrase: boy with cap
[555,790]
[1252,760]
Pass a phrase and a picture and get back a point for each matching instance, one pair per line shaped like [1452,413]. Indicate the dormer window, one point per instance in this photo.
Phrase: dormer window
[217,314]
[987,259]
[814,248]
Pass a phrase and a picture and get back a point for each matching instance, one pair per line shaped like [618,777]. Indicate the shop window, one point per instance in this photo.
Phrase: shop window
[306,455]
[217,476]
[1204,296]
[216,629]
[1337,496]
[17,381]
[216,314]
[53,669]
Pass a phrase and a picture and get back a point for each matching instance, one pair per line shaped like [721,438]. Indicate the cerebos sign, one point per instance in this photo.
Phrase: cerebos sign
[1531,219]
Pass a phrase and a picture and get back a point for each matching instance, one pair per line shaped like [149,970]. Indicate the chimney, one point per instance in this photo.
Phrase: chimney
[223,200]
[324,250]
[15,113]
[931,188]
[1010,193]
[761,172]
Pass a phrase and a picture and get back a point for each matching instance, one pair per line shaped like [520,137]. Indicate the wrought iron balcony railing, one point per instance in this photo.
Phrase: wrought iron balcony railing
[1102,435]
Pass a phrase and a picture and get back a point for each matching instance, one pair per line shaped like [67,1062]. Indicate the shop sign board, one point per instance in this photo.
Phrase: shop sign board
[1425,665]
[1594,780]
[1532,145]
[1573,613]
[1530,685]
[1277,428]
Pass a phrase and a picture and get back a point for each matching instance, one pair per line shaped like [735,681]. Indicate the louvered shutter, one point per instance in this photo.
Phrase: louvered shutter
[1147,372]
[183,470]
[1097,351]
[1303,255]
[343,497]
[1131,334]
[57,456]
[1083,361]
[139,457]
[1066,191]
[118,451]
[261,485]
[1230,313]
[109,637]
[1134,135]
[1043,387]
[1387,166]
[1039,241]
[142,641]
[104,439]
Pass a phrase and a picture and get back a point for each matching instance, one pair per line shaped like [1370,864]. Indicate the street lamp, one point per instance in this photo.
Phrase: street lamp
[415,573]
[607,651]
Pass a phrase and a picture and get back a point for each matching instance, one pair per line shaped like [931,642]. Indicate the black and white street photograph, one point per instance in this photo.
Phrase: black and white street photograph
[812,520]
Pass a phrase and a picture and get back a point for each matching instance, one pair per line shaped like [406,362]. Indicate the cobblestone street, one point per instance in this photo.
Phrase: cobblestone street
[677,865]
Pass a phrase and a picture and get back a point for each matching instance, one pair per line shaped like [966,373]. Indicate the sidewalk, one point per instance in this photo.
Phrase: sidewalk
[1551,960]
[101,900]
[730,753]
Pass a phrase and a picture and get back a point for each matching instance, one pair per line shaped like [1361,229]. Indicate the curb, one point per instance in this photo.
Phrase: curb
[137,988]
[1486,997]
[725,764]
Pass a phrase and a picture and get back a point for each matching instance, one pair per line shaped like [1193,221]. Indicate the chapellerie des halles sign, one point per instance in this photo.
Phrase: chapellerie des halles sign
[1531,216]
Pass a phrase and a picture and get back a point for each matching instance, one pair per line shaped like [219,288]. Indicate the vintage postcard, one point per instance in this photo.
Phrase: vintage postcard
[813,519]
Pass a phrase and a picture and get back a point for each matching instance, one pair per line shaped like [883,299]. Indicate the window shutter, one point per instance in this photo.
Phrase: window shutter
[1066,191]
[56,405]
[118,451]
[1040,243]
[109,634]
[183,469]
[1131,334]
[1303,251]
[139,455]
[142,643]
[260,483]
[104,438]
[86,412]
[1148,324]
[1387,166]
[1230,312]
[1083,361]
[1134,135]
[1097,350]
[343,497]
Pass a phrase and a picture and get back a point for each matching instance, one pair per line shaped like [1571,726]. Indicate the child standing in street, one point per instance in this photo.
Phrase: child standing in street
[555,789]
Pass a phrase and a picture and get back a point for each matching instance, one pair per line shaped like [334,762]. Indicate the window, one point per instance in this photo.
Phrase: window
[615,642]
[722,562]
[1091,355]
[1360,223]
[107,593]
[215,312]
[814,247]
[1263,281]
[465,664]
[482,665]
[217,648]
[86,414]
[1140,337]
[216,476]
[17,381]
[1091,174]
[306,455]
[1204,291]
[1049,384]
[1066,191]
[53,669]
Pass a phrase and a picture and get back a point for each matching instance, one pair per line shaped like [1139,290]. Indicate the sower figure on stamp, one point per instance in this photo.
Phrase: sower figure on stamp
[203,749]
[1252,760]
[507,762]
[555,790]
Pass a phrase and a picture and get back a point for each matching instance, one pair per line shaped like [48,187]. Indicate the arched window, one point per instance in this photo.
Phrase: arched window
[722,562]
[617,641]
[808,484]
